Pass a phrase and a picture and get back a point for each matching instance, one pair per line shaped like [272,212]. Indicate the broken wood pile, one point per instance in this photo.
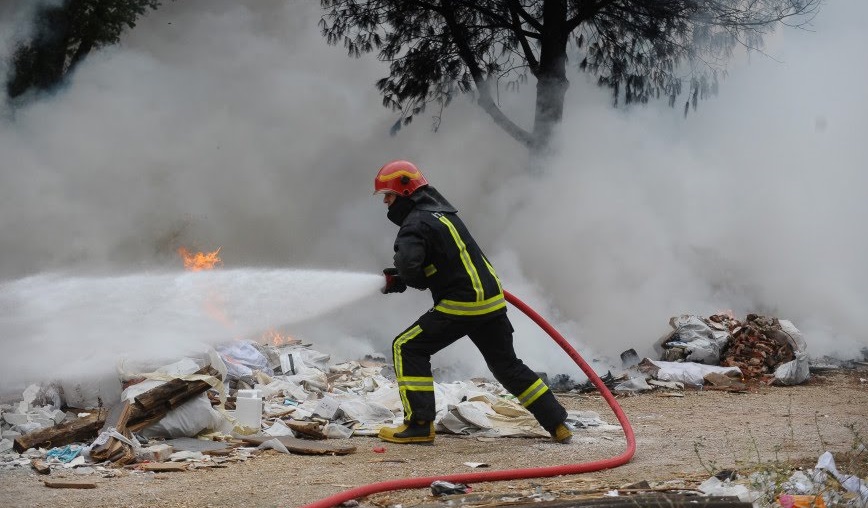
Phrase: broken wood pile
[151,406]
[113,449]
[65,433]
[757,348]
[125,417]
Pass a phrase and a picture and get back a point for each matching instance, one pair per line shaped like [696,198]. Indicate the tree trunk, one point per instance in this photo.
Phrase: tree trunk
[550,94]
[552,83]
[82,51]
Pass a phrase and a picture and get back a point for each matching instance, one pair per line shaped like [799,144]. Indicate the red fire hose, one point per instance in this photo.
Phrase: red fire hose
[510,474]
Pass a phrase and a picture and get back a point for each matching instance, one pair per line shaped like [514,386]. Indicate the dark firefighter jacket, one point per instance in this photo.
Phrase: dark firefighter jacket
[435,251]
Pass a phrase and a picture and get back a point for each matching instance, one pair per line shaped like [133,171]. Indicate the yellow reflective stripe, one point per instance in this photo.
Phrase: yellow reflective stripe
[465,259]
[471,308]
[530,389]
[429,387]
[399,364]
[491,269]
[531,400]
[399,174]
[416,383]
[396,348]
[532,393]
[430,270]
[416,379]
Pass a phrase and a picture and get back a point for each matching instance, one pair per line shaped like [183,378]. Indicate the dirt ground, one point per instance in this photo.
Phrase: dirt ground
[679,441]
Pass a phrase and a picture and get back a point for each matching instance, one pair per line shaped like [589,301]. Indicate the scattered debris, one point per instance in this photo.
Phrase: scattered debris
[40,466]
[303,446]
[765,349]
[163,467]
[73,431]
[440,488]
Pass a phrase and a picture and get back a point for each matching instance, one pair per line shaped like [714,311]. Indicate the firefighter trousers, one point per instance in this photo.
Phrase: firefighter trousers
[492,335]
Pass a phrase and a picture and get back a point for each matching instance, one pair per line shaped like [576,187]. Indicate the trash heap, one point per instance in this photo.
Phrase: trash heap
[764,349]
[232,403]
[718,352]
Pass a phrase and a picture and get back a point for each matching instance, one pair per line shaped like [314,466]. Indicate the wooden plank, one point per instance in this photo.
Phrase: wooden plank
[151,406]
[163,467]
[69,484]
[158,401]
[176,390]
[115,450]
[78,430]
[303,446]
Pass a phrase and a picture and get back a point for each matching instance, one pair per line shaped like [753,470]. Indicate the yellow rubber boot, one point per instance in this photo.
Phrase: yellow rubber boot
[562,434]
[409,432]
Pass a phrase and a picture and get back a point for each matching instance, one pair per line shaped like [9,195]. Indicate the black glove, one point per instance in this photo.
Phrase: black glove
[394,282]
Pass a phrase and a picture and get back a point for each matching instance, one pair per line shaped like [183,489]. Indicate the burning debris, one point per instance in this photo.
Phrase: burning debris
[199,261]
[250,396]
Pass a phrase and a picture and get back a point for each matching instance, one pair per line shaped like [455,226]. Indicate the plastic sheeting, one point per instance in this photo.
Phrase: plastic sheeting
[690,373]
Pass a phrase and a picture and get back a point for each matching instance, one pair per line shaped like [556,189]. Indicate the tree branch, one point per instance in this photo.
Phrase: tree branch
[530,20]
[586,14]
[532,61]
[482,84]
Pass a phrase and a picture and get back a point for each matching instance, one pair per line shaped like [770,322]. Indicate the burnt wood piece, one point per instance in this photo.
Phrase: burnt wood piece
[69,484]
[149,408]
[152,405]
[65,433]
[173,393]
[115,450]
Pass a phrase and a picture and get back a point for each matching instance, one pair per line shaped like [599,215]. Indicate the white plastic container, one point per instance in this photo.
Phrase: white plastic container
[248,408]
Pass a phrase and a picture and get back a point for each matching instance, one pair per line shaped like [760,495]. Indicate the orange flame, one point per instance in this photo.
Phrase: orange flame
[200,260]
[277,339]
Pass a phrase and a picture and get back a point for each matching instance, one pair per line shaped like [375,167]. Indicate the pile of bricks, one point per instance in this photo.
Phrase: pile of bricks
[757,347]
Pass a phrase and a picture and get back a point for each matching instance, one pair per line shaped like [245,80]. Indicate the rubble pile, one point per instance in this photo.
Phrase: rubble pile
[238,399]
[764,349]
[718,352]
[758,348]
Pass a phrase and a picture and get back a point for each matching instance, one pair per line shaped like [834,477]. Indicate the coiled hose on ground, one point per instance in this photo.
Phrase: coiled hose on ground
[510,474]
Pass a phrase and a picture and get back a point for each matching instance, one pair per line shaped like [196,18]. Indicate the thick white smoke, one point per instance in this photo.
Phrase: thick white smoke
[231,124]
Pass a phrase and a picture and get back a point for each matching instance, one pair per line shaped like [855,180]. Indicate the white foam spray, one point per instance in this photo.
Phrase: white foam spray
[53,326]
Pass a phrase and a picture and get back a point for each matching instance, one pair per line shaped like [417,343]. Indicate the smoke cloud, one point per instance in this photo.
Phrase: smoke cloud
[232,124]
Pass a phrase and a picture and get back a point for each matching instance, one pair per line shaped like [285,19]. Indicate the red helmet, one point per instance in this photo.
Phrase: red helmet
[399,177]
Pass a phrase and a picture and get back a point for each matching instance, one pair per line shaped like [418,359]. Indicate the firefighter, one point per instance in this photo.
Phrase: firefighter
[434,251]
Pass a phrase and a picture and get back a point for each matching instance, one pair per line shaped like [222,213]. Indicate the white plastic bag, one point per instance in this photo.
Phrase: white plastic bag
[187,420]
[703,343]
[690,373]
[798,370]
